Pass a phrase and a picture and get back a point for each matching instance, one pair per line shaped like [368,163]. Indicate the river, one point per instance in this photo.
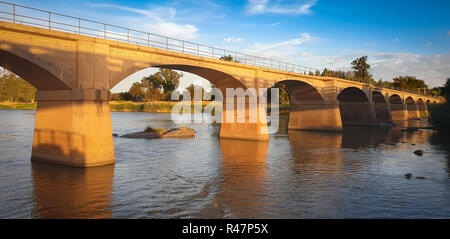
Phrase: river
[358,173]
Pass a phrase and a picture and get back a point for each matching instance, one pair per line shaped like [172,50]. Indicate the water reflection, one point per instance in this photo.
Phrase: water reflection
[242,187]
[441,140]
[65,192]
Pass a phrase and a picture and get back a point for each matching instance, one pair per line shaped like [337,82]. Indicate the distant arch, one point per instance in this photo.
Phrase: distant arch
[302,91]
[410,101]
[352,94]
[377,97]
[395,99]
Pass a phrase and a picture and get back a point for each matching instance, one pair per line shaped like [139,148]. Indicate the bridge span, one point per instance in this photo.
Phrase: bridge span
[74,74]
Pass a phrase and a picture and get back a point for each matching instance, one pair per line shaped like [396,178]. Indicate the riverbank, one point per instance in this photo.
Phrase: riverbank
[129,106]
[17,105]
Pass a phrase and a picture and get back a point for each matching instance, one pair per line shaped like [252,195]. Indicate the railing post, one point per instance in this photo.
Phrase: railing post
[79,26]
[14,13]
[183,46]
[167,43]
[104,30]
[128,35]
[198,50]
[148,39]
[49,20]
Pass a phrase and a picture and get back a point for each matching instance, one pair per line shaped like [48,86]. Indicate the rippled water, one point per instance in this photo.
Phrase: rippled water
[298,174]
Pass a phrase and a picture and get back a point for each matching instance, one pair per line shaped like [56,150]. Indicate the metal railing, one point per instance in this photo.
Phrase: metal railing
[15,13]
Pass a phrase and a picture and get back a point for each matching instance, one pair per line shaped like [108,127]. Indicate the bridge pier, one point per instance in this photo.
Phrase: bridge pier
[413,110]
[315,115]
[383,112]
[399,112]
[73,127]
[423,110]
[358,113]
[245,128]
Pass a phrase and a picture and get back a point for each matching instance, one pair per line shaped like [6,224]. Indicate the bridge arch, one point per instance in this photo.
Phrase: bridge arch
[352,94]
[301,91]
[36,70]
[220,79]
[395,99]
[423,109]
[412,108]
[378,98]
[355,108]
[382,109]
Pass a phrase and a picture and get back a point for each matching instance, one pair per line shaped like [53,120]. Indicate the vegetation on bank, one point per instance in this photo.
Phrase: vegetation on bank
[18,105]
[440,113]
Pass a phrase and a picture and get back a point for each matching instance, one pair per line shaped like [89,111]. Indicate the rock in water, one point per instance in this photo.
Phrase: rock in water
[408,175]
[179,132]
[151,133]
[424,178]
[418,152]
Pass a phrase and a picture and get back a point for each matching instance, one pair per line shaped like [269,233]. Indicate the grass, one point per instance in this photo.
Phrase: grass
[129,106]
[17,105]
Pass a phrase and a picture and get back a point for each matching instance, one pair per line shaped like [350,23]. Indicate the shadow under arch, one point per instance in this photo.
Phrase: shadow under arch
[39,73]
[412,108]
[398,108]
[382,108]
[378,98]
[355,108]
[220,79]
[308,110]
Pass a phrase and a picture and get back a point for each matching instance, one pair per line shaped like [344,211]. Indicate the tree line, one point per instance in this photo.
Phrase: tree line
[14,88]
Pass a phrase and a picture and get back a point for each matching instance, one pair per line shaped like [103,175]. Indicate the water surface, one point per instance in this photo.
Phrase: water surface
[297,174]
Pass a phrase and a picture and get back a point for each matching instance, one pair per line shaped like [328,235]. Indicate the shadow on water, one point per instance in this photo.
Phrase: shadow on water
[66,192]
[441,139]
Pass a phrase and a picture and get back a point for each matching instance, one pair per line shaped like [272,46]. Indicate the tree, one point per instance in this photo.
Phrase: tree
[228,58]
[195,88]
[166,79]
[15,89]
[361,70]
[409,83]
[284,94]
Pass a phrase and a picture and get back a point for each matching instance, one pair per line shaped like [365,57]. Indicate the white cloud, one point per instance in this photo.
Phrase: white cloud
[279,51]
[433,69]
[232,40]
[263,6]
[163,21]
[395,40]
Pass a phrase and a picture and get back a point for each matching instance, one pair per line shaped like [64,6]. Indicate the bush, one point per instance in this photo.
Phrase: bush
[440,115]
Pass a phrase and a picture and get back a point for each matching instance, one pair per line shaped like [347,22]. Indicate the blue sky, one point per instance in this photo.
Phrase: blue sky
[400,37]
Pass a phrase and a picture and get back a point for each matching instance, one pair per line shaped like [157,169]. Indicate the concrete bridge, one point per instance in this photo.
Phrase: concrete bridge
[74,73]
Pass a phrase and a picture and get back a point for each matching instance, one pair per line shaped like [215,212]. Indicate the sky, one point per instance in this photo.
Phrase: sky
[399,37]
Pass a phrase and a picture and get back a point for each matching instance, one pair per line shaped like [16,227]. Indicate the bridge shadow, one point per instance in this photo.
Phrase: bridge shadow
[65,192]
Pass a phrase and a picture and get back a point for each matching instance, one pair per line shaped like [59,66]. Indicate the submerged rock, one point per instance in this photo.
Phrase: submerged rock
[151,133]
[115,135]
[418,152]
[409,175]
[410,129]
[424,178]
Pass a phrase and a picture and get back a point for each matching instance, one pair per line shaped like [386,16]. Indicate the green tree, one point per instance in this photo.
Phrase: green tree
[228,58]
[284,93]
[15,89]
[361,70]
[195,88]
[409,83]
